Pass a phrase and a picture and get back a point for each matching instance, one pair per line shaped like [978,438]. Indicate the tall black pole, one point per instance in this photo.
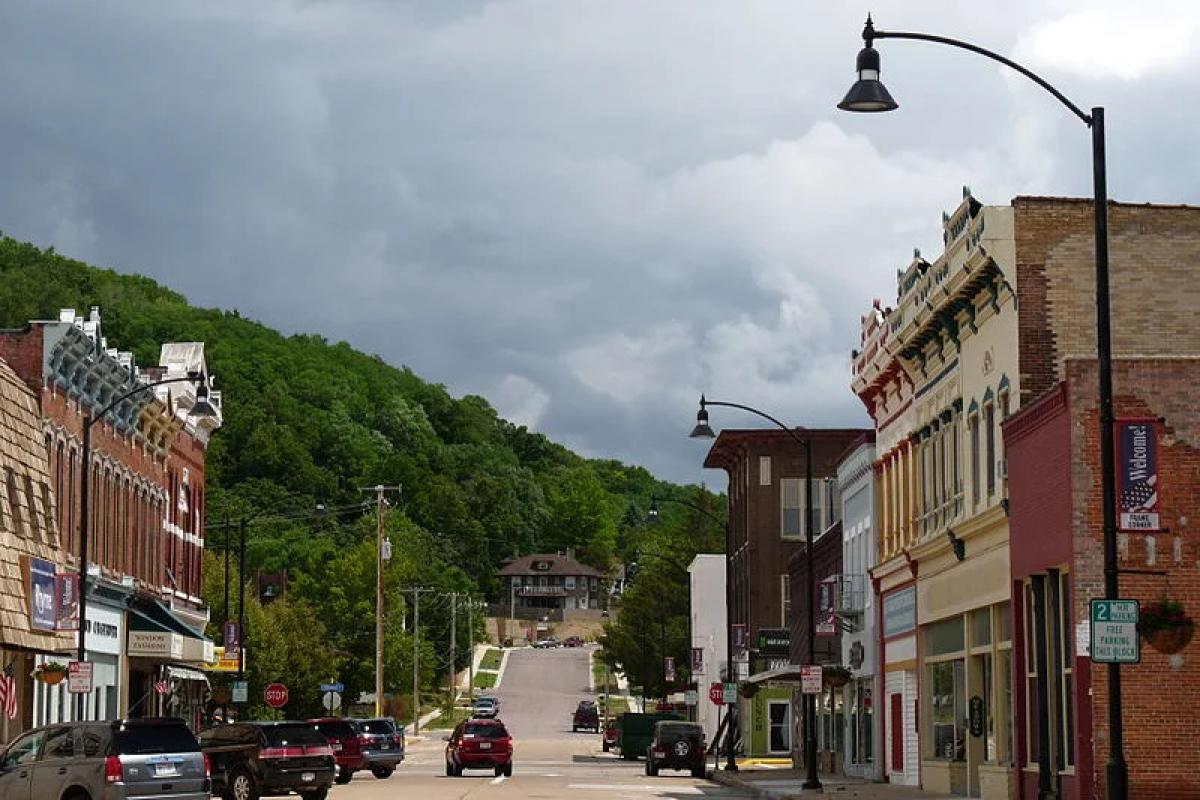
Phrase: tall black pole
[225,608]
[1117,771]
[81,649]
[731,718]
[241,600]
[811,781]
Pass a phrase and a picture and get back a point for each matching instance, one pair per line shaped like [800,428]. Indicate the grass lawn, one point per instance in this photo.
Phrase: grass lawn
[598,672]
[485,680]
[491,659]
[447,721]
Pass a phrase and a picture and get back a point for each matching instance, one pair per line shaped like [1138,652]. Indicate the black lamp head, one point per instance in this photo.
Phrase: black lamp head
[202,407]
[652,512]
[868,94]
[702,429]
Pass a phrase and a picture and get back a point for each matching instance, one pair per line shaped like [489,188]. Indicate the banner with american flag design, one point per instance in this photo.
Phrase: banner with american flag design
[1137,475]
[8,691]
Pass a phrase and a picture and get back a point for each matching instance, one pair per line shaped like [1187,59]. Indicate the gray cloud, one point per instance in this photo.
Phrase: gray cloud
[588,212]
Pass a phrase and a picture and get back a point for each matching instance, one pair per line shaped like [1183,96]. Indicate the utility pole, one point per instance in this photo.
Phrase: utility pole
[471,639]
[380,556]
[416,634]
[453,621]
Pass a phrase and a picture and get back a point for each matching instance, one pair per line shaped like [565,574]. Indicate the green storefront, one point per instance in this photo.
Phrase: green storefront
[769,711]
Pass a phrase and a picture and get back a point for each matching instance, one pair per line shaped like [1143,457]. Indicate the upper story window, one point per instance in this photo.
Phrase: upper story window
[791,496]
[989,422]
[764,470]
[973,425]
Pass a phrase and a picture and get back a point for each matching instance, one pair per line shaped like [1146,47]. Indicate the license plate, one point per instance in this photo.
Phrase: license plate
[337,748]
[385,747]
[165,771]
[485,745]
[308,777]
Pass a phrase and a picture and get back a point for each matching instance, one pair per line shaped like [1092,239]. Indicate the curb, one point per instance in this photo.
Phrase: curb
[503,666]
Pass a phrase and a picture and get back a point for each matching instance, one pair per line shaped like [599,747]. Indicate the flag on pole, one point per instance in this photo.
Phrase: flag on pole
[162,687]
[8,691]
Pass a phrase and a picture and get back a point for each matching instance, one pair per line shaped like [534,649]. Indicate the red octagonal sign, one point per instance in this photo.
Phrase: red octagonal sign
[276,695]
[716,693]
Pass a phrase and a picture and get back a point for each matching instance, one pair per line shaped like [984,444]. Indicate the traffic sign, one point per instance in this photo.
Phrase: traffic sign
[333,687]
[79,677]
[332,701]
[691,697]
[811,679]
[716,693]
[1114,632]
[241,691]
[730,694]
[276,695]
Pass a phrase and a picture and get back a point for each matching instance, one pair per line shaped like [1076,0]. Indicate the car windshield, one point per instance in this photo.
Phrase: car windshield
[143,739]
[485,731]
[337,729]
[377,726]
[485,701]
[286,735]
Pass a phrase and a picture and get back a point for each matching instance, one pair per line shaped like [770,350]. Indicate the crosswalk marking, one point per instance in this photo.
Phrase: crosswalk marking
[634,787]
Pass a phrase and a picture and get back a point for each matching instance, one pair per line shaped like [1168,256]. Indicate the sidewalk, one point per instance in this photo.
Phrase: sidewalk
[776,784]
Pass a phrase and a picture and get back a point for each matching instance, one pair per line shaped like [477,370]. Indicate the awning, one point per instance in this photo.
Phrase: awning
[185,673]
[155,632]
[159,614]
[788,674]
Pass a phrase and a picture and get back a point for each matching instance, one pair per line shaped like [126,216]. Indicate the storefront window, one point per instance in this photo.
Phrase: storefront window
[944,637]
[946,678]
[981,627]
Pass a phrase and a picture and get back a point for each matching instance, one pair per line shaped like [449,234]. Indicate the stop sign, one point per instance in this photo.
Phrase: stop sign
[716,693]
[276,695]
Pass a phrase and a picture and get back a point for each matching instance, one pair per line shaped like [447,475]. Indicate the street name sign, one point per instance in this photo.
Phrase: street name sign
[333,687]
[1114,632]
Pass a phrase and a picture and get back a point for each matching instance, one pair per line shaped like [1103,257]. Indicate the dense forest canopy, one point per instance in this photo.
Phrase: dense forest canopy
[309,424]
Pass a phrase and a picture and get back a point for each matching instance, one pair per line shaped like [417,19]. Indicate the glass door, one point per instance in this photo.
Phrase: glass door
[779,732]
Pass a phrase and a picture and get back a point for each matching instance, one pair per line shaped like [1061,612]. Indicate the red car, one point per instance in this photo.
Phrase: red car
[611,734]
[342,736]
[479,744]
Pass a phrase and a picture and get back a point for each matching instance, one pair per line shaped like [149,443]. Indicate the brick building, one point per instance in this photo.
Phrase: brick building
[1057,557]
[146,509]
[766,516]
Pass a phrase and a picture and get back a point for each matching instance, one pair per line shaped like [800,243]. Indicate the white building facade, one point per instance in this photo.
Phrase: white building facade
[708,630]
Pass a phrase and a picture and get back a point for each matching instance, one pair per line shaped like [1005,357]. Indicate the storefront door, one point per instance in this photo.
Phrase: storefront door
[779,726]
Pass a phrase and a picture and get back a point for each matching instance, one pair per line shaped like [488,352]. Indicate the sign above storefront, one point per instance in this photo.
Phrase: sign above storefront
[774,641]
[43,609]
[104,628]
[1137,475]
[900,612]
[155,644]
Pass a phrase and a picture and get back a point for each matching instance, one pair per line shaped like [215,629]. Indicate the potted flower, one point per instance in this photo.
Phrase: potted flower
[835,675]
[1165,625]
[50,673]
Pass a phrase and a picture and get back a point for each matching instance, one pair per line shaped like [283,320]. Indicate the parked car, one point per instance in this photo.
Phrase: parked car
[382,742]
[636,731]
[587,717]
[676,745]
[158,757]
[547,642]
[485,708]
[611,734]
[342,735]
[268,759]
[573,641]
[479,744]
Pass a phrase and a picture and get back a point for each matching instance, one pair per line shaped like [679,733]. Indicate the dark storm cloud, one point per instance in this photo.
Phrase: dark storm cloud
[587,212]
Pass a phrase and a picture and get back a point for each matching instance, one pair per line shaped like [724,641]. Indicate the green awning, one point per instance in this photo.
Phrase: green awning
[153,616]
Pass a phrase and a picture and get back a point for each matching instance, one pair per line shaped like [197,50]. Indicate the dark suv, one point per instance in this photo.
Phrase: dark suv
[382,745]
[586,717]
[342,735]
[154,757]
[479,744]
[253,759]
[676,745]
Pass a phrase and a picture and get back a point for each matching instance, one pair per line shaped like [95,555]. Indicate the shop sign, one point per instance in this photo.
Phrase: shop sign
[1114,632]
[975,706]
[1137,475]
[900,612]
[774,641]
[811,679]
[79,677]
[827,621]
[103,634]
[43,610]
[155,644]
[223,660]
[66,595]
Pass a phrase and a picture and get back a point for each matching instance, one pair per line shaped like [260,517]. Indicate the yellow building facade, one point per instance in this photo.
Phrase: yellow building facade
[938,373]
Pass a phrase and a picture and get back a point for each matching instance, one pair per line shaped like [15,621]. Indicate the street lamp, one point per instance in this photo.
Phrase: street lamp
[704,431]
[868,94]
[201,408]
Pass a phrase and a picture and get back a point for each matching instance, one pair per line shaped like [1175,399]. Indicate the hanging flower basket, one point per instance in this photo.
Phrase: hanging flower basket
[835,676]
[50,673]
[1165,626]
[748,690]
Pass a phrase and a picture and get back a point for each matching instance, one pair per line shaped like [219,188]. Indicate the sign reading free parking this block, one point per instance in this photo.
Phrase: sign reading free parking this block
[1114,632]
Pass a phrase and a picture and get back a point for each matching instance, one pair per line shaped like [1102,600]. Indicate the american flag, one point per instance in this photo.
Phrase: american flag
[8,691]
[162,687]
[1140,496]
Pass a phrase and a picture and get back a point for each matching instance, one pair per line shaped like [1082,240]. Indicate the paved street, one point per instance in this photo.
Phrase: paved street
[539,692]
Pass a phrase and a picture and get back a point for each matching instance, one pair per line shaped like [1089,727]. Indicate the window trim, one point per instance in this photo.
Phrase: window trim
[764,470]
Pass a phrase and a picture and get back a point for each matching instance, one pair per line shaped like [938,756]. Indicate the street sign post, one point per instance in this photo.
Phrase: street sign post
[332,701]
[811,679]
[1114,632]
[241,691]
[716,693]
[276,695]
[79,677]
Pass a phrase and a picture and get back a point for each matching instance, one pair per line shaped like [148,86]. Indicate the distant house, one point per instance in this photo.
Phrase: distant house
[551,581]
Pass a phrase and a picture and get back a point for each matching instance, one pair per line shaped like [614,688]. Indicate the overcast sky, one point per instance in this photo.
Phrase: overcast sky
[588,212]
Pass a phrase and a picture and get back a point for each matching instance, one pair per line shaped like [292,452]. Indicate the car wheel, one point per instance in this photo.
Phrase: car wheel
[604,746]
[382,772]
[449,770]
[241,787]
[319,794]
[499,771]
[508,770]
[344,775]
[698,772]
[651,769]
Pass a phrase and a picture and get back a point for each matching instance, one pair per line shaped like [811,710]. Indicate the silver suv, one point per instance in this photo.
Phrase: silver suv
[155,757]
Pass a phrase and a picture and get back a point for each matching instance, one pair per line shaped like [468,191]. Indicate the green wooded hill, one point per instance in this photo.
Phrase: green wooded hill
[311,422]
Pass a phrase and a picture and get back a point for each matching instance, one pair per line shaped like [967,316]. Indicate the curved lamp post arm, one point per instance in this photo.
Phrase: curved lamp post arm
[791,431]
[870,34]
[698,509]
[94,418]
